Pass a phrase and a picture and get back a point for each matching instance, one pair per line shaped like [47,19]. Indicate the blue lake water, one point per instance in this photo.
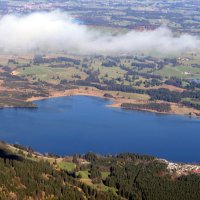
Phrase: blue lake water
[79,124]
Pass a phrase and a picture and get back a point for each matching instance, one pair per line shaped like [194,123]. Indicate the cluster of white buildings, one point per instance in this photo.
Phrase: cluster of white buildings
[182,169]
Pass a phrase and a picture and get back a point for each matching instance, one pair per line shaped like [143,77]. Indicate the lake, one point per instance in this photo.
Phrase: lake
[78,124]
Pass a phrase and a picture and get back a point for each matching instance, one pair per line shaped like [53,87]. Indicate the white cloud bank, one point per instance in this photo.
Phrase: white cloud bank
[57,31]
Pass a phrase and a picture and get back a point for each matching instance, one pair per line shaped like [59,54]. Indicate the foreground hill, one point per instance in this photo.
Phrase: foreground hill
[25,174]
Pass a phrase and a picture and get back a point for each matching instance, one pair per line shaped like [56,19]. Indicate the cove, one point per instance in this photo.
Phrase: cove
[78,124]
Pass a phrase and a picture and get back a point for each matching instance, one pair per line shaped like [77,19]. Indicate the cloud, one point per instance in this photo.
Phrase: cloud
[56,31]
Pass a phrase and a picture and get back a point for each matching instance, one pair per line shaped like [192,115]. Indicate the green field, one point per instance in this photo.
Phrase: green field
[112,72]
[83,174]
[191,100]
[68,166]
[46,73]
[187,72]
[85,178]
[105,175]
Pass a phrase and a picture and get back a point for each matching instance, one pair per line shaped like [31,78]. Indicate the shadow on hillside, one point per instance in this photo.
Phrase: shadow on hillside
[6,155]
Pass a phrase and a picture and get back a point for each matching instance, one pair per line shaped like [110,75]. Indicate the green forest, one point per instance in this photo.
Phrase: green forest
[124,176]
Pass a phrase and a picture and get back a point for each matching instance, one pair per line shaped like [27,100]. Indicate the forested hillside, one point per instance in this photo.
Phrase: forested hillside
[24,175]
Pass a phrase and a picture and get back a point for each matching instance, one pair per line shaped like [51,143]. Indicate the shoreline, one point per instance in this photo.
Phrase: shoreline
[181,166]
[117,101]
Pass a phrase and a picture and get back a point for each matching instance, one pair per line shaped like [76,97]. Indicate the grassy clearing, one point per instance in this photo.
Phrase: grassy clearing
[83,174]
[85,179]
[189,69]
[100,186]
[193,60]
[191,100]
[105,175]
[68,166]
[45,73]
[111,72]
[179,72]
[105,188]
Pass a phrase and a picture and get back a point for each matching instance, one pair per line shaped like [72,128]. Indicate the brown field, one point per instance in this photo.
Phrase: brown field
[169,87]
